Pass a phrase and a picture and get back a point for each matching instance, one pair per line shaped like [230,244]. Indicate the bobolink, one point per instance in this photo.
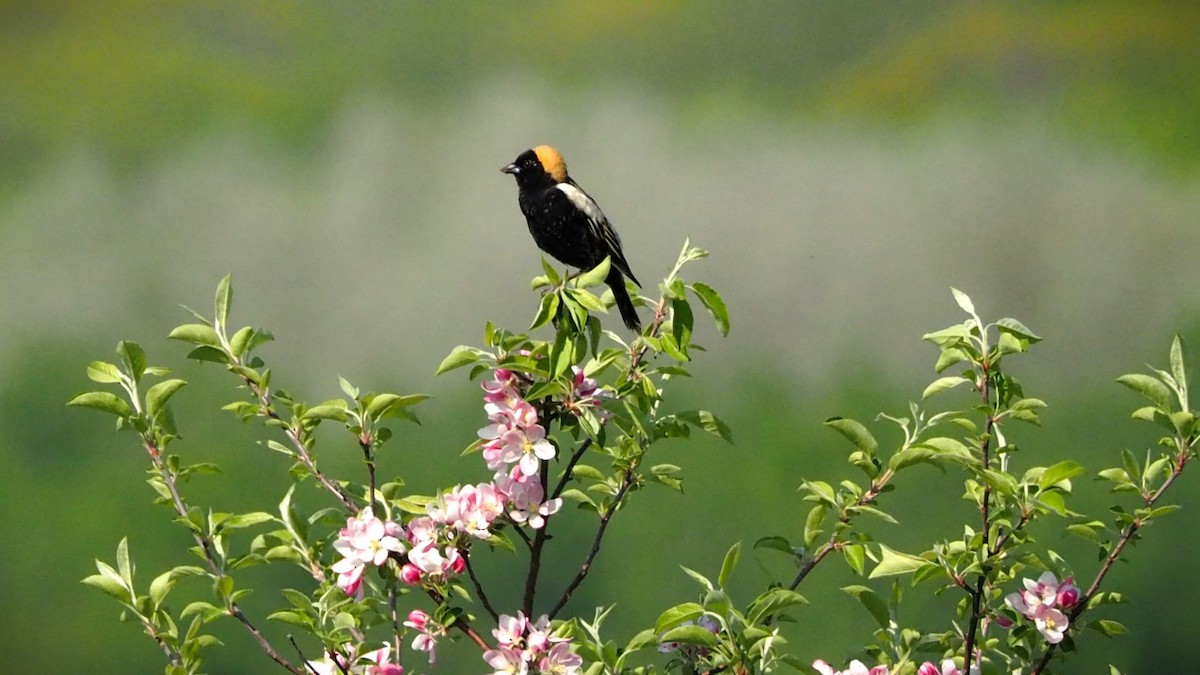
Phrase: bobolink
[568,224]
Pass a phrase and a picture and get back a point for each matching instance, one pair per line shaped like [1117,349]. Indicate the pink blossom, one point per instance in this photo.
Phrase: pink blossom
[560,661]
[420,529]
[1051,623]
[1068,594]
[349,576]
[1040,601]
[584,387]
[506,661]
[856,668]
[524,494]
[380,658]
[510,630]
[366,540]
[470,509]
[410,574]
[428,633]
[948,668]
[431,562]
[534,448]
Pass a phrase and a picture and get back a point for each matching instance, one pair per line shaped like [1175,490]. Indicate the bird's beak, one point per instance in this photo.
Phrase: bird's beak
[511,168]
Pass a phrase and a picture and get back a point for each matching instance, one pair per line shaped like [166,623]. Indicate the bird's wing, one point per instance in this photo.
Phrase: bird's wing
[599,224]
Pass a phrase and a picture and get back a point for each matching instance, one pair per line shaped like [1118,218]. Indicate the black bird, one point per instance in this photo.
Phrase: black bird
[568,224]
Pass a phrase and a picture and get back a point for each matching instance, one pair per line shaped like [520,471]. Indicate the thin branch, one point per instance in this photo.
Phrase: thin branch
[461,624]
[535,553]
[1127,536]
[483,598]
[210,556]
[626,483]
[984,508]
[264,398]
[566,477]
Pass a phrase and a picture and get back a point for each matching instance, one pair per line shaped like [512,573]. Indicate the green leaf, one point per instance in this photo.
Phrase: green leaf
[729,563]
[562,354]
[1085,531]
[855,432]
[108,585]
[856,557]
[102,400]
[133,357]
[872,602]
[460,356]
[1108,627]
[594,276]
[942,384]
[547,310]
[197,334]
[551,273]
[681,323]
[775,543]
[1178,371]
[893,562]
[247,520]
[1014,327]
[159,394]
[1058,473]
[384,404]
[1149,387]
[208,353]
[691,634]
[223,300]
[688,611]
[714,304]
[812,524]
[772,602]
[963,301]
[703,419]
[327,412]
[103,373]
[949,357]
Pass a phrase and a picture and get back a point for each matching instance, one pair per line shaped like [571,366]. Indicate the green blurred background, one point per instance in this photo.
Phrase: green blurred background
[845,162]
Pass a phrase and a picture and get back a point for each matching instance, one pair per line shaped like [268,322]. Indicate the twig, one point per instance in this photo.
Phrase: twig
[461,624]
[206,547]
[264,398]
[535,553]
[1127,535]
[566,477]
[483,598]
[985,451]
[626,483]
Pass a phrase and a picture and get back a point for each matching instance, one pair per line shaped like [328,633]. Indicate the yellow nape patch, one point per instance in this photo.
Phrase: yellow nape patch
[552,162]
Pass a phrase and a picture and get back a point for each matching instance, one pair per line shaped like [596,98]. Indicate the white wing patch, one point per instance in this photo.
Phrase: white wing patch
[583,202]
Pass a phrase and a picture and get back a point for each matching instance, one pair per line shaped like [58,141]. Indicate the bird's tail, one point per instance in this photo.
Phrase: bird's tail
[616,281]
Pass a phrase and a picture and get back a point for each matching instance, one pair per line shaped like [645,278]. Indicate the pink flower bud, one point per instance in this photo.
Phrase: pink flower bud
[410,574]
[459,565]
[928,668]
[417,619]
[1068,595]
[1003,621]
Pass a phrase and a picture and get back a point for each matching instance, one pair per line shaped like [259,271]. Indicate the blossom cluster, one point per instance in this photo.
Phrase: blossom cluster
[856,668]
[514,447]
[859,668]
[366,541]
[428,631]
[377,662]
[1043,601]
[524,647]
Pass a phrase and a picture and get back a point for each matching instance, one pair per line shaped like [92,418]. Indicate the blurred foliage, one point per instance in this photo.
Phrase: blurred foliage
[133,77]
[133,81]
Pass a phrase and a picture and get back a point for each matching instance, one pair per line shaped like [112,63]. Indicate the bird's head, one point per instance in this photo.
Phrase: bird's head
[539,164]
